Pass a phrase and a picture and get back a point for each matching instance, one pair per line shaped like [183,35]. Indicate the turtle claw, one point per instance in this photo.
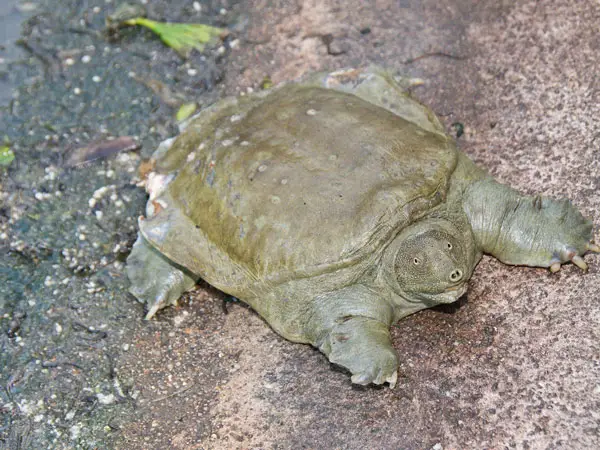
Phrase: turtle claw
[555,267]
[153,310]
[392,379]
[579,262]
[592,247]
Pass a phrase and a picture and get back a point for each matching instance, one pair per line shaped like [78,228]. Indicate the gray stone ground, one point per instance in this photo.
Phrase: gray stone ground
[515,364]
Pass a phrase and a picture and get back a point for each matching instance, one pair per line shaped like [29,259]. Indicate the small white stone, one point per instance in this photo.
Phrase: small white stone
[197,6]
[76,91]
[86,59]
[223,11]
[192,72]
[311,112]
[106,399]
[125,347]
[96,9]
[69,61]
[96,79]
[82,237]
[227,142]
[58,328]
[262,168]
[92,202]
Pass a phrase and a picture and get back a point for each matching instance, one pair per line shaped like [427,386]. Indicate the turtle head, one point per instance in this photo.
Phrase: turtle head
[429,262]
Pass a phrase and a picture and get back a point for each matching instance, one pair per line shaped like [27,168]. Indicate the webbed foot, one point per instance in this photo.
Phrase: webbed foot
[574,257]
[155,280]
[363,346]
[566,234]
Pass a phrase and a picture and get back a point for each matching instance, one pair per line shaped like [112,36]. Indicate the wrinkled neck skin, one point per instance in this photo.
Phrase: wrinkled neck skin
[449,218]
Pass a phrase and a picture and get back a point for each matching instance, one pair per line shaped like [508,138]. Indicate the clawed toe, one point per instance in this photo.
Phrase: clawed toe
[573,257]
[153,309]
[555,267]
[592,247]
[579,262]
[392,379]
[365,379]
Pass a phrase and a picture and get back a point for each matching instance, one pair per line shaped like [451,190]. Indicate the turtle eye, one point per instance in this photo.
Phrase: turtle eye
[449,246]
[417,261]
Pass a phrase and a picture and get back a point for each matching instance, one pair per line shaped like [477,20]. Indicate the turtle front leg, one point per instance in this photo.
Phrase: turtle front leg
[363,346]
[352,328]
[532,231]
[155,280]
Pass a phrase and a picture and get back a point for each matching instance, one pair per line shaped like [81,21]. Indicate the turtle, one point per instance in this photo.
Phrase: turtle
[334,206]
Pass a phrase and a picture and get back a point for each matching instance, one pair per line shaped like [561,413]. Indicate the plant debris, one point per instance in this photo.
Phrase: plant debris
[7,156]
[181,37]
[185,111]
[102,149]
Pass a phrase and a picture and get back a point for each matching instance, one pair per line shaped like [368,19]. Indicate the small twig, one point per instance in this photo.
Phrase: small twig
[433,54]
[174,394]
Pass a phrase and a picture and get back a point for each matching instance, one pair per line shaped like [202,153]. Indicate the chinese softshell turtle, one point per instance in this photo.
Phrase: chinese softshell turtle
[335,206]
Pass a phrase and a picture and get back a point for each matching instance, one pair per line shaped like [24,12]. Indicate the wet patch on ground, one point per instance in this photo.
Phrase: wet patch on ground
[69,206]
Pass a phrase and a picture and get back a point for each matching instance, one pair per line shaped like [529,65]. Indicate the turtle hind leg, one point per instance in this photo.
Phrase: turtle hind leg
[155,280]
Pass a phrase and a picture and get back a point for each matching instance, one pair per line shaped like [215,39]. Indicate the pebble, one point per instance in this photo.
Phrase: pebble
[76,91]
[96,79]
[106,399]
[42,196]
[86,59]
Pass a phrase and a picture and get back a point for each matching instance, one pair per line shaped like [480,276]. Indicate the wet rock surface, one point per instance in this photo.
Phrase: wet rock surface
[514,364]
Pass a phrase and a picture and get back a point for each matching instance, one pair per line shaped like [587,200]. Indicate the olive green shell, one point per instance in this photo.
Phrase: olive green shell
[297,181]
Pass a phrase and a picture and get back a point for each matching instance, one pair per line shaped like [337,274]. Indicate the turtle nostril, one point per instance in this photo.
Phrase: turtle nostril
[456,275]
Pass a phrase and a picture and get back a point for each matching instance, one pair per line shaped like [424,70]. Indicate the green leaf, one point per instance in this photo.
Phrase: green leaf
[185,111]
[181,37]
[7,156]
